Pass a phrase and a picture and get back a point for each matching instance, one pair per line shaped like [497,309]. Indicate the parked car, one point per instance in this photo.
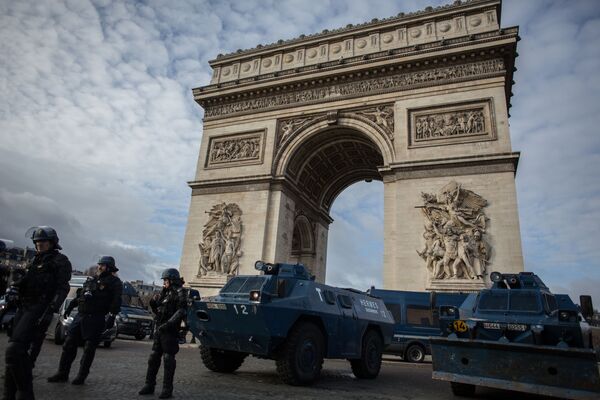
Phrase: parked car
[134,321]
[416,319]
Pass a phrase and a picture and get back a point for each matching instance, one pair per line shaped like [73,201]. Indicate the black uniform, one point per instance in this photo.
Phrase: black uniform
[170,309]
[99,296]
[42,290]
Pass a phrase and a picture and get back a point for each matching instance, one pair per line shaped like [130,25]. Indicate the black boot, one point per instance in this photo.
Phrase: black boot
[60,376]
[89,352]
[66,359]
[153,366]
[169,372]
[147,389]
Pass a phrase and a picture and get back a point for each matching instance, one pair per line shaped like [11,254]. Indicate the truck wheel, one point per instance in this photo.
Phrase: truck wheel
[369,364]
[140,336]
[107,344]
[462,389]
[59,338]
[221,360]
[414,353]
[301,358]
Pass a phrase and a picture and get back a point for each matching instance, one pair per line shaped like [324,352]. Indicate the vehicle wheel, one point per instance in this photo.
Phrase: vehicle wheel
[59,337]
[462,389]
[107,344]
[221,360]
[414,353]
[369,363]
[139,336]
[301,358]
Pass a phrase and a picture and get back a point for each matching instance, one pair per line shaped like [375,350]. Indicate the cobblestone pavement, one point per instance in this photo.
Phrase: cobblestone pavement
[118,373]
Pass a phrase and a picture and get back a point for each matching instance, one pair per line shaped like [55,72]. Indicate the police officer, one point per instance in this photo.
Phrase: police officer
[98,297]
[38,292]
[169,308]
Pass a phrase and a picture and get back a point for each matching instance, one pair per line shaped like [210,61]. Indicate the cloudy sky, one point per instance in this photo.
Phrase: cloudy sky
[99,132]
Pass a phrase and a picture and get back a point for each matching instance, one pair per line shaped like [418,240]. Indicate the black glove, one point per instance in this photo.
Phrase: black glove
[66,314]
[110,321]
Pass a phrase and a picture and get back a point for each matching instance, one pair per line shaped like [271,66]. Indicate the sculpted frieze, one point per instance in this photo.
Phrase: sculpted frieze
[220,248]
[380,115]
[358,88]
[455,247]
[450,124]
[235,149]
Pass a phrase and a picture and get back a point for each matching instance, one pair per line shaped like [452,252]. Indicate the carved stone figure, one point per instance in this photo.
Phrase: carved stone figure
[220,248]
[448,124]
[454,229]
[382,116]
[234,149]
[356,88]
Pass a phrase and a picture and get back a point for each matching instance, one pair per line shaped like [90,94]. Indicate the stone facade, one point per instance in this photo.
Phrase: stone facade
[418,101]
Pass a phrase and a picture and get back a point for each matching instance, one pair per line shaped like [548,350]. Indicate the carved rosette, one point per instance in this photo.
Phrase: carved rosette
[220,248]
[455,234]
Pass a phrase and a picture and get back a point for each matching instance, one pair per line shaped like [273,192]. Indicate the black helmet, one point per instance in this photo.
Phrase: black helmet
[109,262]
[41,233]
[171,274]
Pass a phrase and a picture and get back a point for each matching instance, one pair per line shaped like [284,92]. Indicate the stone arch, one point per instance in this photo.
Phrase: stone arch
[303,242]
[350,121]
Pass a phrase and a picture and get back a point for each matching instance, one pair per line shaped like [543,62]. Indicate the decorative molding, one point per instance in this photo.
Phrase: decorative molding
[380,115]
[220,248]
[235,150]
[362,86]
[455,123]
[455,227]
[402,31]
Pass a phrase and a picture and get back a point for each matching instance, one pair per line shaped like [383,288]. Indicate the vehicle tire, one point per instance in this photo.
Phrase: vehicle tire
[462,389]
[59,337]
[107,344]
[139,336]
[301,358]
[414,353]
[221,360]
[369,363]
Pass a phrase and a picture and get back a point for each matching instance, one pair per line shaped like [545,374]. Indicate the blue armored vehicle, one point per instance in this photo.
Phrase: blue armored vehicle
[517,335]
[285,315]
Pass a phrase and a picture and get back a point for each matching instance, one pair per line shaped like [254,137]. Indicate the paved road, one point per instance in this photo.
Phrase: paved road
[118,373]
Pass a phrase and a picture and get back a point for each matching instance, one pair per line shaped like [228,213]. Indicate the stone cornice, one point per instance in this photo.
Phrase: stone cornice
[429,13]
[471,165]
[487,39]
[361,83]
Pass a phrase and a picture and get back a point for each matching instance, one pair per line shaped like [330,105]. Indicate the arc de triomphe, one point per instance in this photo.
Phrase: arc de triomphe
[419,101]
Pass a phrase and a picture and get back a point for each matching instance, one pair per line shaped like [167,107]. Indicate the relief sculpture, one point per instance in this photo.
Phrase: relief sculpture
[220,248]
[382,116]
[455,246]
[235,149]
[466,122]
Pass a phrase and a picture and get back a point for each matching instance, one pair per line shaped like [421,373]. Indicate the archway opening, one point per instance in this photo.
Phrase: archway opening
[319,171]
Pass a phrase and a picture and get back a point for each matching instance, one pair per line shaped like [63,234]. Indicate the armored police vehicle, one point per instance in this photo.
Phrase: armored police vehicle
[416,316]
[517,336]
[285,315]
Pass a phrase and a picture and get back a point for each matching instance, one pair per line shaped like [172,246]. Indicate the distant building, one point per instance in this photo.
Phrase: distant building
[145,289]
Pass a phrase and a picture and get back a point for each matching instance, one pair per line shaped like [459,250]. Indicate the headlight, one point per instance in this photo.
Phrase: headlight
[255,295]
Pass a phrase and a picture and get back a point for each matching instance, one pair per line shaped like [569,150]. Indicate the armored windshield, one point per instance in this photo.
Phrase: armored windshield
[493,301]
[515,300]
[244,284]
